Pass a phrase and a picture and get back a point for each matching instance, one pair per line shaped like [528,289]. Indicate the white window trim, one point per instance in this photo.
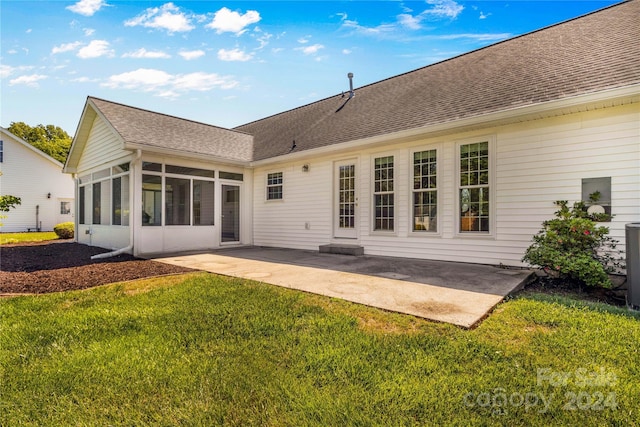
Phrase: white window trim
[491,235]
[440,207]
[267,186]
[395,191]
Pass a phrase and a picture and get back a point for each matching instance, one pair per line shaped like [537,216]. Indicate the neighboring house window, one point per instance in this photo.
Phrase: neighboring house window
[425,191]
[1,151]
[274,186]
[474,187]
[383,196]
[65,208]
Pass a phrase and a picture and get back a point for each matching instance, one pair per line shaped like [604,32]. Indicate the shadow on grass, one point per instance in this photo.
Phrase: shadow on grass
[578,303]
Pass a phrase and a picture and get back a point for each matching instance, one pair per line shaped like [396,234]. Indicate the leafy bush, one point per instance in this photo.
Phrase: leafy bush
[572,246]
[64,230]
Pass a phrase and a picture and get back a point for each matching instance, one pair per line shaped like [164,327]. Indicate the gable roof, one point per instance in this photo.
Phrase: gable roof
[593,53]
[142,129]
[42,154]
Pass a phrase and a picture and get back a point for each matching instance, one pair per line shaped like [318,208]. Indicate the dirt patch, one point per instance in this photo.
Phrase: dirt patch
[62,265]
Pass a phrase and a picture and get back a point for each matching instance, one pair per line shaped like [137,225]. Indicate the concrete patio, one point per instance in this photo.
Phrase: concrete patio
[457,293]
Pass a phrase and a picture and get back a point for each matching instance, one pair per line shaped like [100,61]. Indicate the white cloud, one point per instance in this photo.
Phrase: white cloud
[202,82]
[440,9]
[95,49]
[30,80]
[188,55]
[12,51]
[228,21]
[379,30]
[263,39]
[483,15]
[346,51]
[7,70]
[149,54]
[88,32]
[168,85]
[87,7]
[84,80]
[482,37]
[303,40]
[408,21]
[310,50]
[444,8]
[167,17]
[233,55]
[66,47]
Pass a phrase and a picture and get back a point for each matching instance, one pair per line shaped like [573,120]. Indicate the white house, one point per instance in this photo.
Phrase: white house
[46,193]
[460,160]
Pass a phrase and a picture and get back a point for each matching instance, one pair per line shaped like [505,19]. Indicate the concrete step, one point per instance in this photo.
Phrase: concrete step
[342,249]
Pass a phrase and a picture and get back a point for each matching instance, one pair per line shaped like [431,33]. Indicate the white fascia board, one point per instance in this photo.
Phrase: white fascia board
[627,94]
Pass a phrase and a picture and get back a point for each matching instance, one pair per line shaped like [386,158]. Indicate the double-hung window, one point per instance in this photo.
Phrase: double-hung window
[274,186]
[425,191]
[383,195]
[474,188]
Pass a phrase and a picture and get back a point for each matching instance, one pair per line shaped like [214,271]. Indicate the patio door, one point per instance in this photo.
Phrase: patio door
[345,200]
[230,213]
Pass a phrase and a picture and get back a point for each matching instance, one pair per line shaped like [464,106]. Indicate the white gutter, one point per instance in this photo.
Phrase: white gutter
[113,253]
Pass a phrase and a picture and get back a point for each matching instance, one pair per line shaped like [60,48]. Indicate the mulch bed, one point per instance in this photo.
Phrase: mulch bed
[63,265]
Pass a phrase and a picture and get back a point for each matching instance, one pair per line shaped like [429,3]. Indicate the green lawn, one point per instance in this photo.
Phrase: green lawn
[208,350]
[6,238]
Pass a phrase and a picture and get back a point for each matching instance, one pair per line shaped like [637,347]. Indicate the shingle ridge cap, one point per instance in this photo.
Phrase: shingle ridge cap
[440,62]
[168,115]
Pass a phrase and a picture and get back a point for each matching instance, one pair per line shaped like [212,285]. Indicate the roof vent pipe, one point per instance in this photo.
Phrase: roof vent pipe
[351,93]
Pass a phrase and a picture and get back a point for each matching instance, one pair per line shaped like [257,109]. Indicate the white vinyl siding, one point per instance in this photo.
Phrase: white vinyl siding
[532,164]
[102,147]
[32,175]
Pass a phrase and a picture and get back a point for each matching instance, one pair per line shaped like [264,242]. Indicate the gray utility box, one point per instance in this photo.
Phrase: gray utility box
[632,236]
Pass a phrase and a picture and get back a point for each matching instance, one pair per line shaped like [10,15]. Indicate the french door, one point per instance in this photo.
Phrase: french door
[345,200]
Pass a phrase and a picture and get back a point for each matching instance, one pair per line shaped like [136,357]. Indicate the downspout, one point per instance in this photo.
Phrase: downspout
[132,227]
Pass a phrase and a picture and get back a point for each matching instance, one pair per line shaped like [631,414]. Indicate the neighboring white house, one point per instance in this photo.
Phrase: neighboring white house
[46,193]
[460,160]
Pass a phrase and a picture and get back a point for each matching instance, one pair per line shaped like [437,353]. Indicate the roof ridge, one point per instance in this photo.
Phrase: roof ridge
[442,61]
[166,115]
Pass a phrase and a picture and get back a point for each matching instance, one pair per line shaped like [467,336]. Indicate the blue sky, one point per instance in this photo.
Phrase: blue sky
[229,63]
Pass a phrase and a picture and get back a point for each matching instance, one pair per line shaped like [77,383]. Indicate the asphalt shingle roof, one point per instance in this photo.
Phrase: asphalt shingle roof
[155,130]
[588,54]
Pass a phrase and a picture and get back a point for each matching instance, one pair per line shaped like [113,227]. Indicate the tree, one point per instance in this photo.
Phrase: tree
[49,139]
[7,203]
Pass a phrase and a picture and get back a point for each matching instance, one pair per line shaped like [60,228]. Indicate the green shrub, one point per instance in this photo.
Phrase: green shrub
[64,230]
[572,246]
